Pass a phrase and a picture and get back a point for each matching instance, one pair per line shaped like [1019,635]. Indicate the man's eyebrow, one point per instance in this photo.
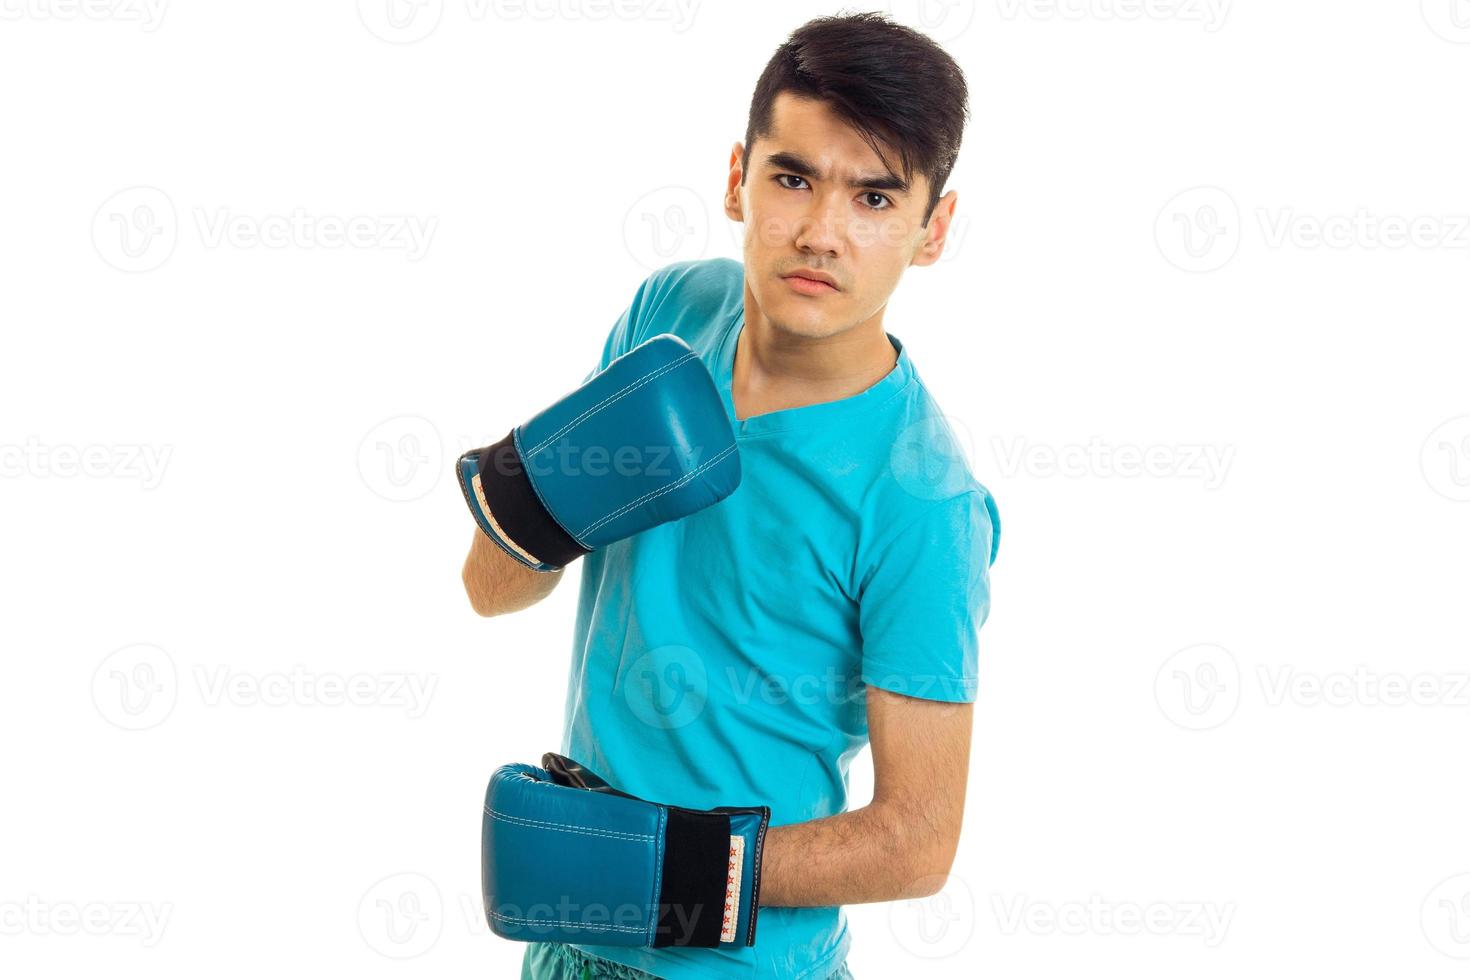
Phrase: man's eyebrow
[792,163]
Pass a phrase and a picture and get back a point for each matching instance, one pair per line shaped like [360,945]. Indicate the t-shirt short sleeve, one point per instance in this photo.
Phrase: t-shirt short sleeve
[924,598]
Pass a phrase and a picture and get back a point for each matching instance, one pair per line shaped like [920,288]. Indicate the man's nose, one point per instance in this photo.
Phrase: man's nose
[823,228]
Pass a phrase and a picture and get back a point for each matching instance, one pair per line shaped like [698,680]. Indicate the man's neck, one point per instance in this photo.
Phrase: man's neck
[775,370]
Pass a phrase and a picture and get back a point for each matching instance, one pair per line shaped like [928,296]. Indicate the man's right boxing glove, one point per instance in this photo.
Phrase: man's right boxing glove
[568,858]
[643,442]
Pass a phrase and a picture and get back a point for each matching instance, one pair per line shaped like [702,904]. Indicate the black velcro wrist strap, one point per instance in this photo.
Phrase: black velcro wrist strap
[691,904]
[517,508]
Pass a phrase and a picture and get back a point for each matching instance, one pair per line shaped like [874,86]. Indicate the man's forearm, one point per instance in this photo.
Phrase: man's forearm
[876,853]
[497,583]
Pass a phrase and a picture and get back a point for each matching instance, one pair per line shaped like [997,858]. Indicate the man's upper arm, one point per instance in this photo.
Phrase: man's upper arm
[921,761]
[922,604]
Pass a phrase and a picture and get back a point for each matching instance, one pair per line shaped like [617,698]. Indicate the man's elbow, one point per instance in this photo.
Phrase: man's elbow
[496,584]
[474,590]
[927,873]
[927,882]
[480,608]
[926,855]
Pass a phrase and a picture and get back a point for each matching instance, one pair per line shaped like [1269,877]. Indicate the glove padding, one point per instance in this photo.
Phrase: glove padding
[567,858]
[643,442]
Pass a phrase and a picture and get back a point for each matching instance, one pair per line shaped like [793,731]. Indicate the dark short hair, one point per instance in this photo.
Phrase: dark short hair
[892,84]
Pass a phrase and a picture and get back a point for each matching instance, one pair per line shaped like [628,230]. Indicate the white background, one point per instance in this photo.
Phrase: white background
[1222,722]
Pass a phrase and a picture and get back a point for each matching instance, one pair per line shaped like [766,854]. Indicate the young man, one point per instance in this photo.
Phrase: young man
[745,653]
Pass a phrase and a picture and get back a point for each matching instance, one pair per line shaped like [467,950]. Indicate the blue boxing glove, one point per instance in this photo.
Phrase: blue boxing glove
[567,858]
[643,442]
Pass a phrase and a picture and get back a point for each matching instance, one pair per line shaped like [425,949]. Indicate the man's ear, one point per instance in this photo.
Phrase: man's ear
[936,231]
[734,205]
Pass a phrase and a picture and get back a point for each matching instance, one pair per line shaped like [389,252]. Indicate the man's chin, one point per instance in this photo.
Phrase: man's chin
[804,326]
[807,318]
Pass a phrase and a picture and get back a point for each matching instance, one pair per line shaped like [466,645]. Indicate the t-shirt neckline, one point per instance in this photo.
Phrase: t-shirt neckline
[803,416]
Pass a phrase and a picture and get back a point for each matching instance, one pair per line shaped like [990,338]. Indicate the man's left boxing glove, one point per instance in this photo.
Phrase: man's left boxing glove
[643,442]
[567,858]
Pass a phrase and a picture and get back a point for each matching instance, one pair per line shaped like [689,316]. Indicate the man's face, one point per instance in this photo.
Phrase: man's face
[818,199]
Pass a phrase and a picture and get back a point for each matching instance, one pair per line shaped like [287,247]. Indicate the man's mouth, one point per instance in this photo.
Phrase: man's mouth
[808,282]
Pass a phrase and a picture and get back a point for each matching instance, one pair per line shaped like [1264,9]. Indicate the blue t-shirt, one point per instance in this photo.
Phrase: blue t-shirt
[721,660]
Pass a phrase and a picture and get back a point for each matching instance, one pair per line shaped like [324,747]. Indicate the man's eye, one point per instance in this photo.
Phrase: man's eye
[876,201]
[783,178]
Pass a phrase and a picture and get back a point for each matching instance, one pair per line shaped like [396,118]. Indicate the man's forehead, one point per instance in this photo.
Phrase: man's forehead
[808,128]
